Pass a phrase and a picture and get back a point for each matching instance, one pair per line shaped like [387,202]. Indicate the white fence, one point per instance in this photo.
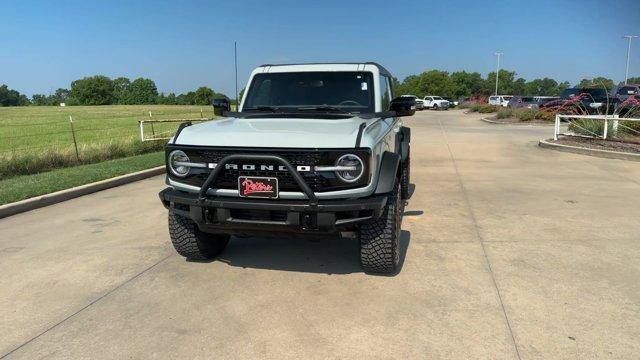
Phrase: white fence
[609,120]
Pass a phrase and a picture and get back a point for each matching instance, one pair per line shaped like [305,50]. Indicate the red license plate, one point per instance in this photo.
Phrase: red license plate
[258,187]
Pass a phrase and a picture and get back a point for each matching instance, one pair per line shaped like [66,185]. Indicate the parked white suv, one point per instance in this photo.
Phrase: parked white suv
[500,100]
[314,150]
[435,102]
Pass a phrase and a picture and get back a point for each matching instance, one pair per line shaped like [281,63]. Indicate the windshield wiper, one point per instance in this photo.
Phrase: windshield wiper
[263,108]
[324,108]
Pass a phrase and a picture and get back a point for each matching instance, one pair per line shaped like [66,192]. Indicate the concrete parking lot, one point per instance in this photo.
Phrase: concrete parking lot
[511,251]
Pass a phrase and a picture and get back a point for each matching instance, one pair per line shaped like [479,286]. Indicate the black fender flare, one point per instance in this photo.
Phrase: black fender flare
[387,175]
[405,139]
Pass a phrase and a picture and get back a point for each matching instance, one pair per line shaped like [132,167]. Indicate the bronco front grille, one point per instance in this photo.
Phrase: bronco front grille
[317,181]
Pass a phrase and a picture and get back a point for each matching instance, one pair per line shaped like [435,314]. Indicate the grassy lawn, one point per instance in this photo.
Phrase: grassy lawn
[41,128]
[23,187]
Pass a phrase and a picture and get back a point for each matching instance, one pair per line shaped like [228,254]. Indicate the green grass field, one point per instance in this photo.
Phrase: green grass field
[26,186]
[41,128]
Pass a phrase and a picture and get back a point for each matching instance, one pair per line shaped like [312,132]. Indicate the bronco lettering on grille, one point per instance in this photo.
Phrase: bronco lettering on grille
[251,167]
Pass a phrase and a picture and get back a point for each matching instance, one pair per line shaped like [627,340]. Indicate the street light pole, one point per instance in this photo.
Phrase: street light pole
[498,69]
[626,72]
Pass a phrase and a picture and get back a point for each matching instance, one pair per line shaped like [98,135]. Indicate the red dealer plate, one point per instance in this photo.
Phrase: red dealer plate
[258,187]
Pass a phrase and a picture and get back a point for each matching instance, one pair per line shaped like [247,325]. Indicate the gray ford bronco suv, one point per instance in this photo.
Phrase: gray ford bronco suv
[314,149]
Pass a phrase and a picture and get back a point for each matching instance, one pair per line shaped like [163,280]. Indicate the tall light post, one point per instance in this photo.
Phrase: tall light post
[626,72]
[498,68]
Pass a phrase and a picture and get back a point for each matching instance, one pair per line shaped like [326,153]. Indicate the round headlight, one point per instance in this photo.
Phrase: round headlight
[353,168]
[178,163]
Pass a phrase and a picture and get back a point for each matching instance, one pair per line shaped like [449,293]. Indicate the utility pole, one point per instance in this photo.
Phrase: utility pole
[498,68]
[626,72]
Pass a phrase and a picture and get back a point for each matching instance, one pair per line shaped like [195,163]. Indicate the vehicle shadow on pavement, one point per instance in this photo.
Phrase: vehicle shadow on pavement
[331,256]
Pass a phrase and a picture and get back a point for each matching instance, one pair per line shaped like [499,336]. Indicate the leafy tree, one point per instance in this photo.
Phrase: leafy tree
[466,84]
[205,96]
[10,97]
[39,100]
[434,82]
[599,82]
[633,80]
[543,87]
[169,99]
[95,90]
[60,96]
[562,87]
[186,99]
[143,91]
[505,85]
[122,90]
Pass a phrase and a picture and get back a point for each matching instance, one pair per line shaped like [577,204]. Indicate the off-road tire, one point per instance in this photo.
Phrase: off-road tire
[380,238]
[405,177]
[435,107]
[192,243]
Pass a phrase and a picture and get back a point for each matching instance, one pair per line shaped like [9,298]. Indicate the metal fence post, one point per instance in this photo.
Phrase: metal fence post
[73,133]
[556,128]
[606,126]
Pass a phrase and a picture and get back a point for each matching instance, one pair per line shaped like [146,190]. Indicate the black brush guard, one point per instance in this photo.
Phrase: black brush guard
[211,179]
[214,213]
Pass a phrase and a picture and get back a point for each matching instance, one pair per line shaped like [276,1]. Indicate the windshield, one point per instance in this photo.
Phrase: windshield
[347,91]
[437,98]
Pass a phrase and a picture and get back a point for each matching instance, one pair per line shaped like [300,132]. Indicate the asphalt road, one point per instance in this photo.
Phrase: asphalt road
[510,251]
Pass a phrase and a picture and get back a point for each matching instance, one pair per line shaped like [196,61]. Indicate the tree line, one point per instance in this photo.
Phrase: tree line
[101,90]
[466,84]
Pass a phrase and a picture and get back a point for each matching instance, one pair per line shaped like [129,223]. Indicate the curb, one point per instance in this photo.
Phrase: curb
[592,152]
[522,123]
[68,194]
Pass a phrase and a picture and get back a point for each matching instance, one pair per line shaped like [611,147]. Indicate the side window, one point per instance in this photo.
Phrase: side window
[385,93]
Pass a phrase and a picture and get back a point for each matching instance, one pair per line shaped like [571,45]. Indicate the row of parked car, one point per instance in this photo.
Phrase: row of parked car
[433,102]
[620,100]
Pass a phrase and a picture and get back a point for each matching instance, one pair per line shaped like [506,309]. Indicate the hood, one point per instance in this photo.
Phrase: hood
[273,132]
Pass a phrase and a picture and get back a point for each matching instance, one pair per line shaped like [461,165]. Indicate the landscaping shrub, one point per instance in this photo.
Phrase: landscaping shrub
[589,127]
[504,113]
[526,115]
[475,107]
[486,109]
[545,115]
[631,128]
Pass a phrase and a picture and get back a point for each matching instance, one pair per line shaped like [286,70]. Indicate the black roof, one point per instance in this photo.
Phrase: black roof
[381,68]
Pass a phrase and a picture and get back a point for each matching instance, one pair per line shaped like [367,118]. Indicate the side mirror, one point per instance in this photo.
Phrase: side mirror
[220,106]
[403,106]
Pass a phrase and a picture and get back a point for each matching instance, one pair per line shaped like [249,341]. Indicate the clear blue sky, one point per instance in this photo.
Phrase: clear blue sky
[186,44]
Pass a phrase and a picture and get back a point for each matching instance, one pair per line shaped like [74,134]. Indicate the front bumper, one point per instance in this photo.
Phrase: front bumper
[246,216]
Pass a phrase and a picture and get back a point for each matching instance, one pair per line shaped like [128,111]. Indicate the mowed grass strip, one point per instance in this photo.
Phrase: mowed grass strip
[24,187]
[40,128]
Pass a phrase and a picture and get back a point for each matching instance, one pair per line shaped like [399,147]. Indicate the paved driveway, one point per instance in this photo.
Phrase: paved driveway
[511,251]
